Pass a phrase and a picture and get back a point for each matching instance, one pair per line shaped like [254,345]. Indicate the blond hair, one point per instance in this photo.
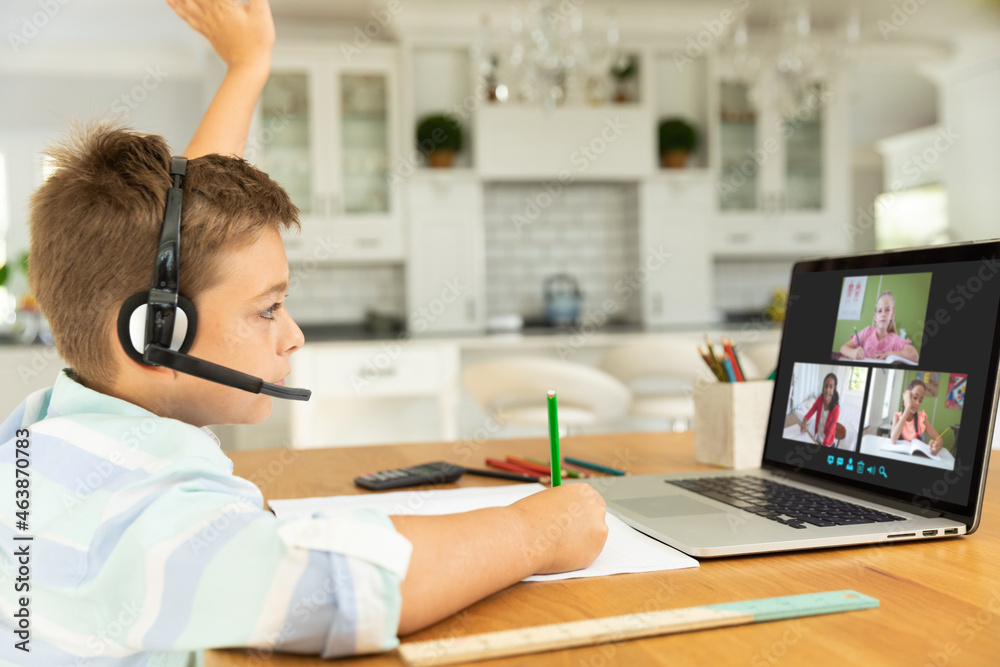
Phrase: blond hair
[892,320]
[95,224]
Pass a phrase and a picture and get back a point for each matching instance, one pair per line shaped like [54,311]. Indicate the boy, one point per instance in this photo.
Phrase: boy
[144,546]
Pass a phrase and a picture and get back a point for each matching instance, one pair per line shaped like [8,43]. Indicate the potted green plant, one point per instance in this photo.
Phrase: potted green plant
[677,139]
[8,269]
[439,137]
[624,70]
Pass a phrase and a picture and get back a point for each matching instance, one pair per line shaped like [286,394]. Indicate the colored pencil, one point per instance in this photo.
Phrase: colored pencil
[727,347]
[711,352]
[728,365]
[593,466]
[579,469]
[512,476]
[512,467]
[736,360]
[555,470]
[711,366]
[535,466]
[940,435]
[565,471]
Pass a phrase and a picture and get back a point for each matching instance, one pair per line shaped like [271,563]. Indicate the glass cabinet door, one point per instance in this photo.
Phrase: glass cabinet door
[738,141]
[285,137]
[364,132]
[804,155]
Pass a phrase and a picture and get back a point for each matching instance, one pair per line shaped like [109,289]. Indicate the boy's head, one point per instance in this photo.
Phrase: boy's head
[95,225]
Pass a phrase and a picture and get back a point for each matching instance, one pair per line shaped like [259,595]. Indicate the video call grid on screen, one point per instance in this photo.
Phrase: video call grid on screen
[949,315]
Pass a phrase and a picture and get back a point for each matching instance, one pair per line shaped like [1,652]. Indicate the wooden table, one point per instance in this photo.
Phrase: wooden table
[940,600]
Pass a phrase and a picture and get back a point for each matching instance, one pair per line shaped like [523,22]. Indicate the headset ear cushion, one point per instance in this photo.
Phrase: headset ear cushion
[131,326]
[185,306]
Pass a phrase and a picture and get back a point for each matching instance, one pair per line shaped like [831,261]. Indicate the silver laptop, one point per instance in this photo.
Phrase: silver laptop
[908,342]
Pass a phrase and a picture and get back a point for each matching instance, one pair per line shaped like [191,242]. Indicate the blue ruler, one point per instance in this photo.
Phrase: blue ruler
[631,626]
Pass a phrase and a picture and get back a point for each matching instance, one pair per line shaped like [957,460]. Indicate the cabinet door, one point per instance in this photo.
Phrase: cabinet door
[285,143]
[737,189]
[445,270]
[676,250]
[365,205]
[772,158]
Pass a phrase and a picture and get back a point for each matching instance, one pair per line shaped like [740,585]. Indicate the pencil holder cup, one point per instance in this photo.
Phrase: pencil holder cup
[730,423]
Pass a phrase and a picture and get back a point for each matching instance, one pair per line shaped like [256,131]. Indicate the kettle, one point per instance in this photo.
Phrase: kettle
[563,299]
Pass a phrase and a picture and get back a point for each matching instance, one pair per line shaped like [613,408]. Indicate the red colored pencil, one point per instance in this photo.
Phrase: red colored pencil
[505,465]
[535,467]
[727,345]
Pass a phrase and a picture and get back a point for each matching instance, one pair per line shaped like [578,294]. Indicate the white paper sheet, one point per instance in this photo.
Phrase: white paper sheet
[627,550]
[794,432]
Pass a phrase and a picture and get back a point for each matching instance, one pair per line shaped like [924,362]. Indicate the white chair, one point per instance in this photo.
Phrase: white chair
[661,375]
[513,390]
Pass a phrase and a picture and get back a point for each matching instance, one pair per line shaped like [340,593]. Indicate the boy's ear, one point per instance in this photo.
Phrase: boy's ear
[131,326]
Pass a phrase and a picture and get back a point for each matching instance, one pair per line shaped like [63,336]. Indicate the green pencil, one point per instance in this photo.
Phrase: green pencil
[554,458]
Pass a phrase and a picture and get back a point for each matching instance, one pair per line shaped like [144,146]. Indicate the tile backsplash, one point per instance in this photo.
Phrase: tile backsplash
[588,230]
[342,294]
[743,285]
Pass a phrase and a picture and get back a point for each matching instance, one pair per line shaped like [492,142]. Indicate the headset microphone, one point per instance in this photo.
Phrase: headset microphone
[162,323]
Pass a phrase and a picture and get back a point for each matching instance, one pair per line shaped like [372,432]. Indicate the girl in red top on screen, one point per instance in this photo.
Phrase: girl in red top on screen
[880,340]
[827,409]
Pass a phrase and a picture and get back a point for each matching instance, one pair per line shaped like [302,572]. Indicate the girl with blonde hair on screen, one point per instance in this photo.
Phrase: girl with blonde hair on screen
[880,340]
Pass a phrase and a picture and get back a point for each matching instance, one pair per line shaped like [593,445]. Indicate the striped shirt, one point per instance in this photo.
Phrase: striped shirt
[146,548]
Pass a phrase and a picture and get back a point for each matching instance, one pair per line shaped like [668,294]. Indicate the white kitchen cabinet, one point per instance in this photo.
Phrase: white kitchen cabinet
[397,390]
[26,368]
[327,129]
[675,252]
[783,183]
[445,274]
[614,141]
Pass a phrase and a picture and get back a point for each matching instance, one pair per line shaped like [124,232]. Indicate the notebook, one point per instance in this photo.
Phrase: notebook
[937,310]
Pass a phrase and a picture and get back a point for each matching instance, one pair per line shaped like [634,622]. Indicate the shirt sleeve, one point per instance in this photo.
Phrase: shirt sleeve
[830,434]
[197,563]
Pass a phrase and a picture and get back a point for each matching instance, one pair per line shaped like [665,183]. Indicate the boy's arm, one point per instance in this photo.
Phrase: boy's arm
[243,36]
[458,559]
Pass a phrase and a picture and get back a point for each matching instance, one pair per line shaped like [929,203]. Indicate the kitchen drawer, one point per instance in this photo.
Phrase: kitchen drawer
[392,391]
[736,241]
[392,368]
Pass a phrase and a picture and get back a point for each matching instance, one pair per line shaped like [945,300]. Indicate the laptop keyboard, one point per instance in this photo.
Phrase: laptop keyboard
[784,504]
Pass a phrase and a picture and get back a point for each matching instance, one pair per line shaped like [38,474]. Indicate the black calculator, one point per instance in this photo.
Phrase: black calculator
[438,472]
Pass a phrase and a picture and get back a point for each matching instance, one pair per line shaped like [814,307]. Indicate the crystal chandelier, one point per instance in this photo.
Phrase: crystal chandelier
[790,63]
[544,56]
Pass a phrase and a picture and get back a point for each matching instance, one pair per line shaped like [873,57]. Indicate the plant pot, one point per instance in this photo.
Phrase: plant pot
[441,159]
[675,159]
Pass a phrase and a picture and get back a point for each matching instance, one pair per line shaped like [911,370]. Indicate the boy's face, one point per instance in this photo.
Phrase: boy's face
[242,324]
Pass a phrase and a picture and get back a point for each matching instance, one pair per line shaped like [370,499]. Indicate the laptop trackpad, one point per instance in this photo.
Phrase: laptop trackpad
[672,505]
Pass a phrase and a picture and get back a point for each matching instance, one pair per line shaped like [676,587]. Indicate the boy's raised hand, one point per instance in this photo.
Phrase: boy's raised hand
[241,33]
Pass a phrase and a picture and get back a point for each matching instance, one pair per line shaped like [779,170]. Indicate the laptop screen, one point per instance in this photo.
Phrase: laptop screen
[887,372]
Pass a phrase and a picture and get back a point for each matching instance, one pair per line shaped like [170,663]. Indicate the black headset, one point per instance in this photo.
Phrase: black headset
[157,328]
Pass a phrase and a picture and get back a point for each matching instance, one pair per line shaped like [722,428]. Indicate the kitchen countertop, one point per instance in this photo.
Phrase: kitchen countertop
[358,333]
[543,336]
